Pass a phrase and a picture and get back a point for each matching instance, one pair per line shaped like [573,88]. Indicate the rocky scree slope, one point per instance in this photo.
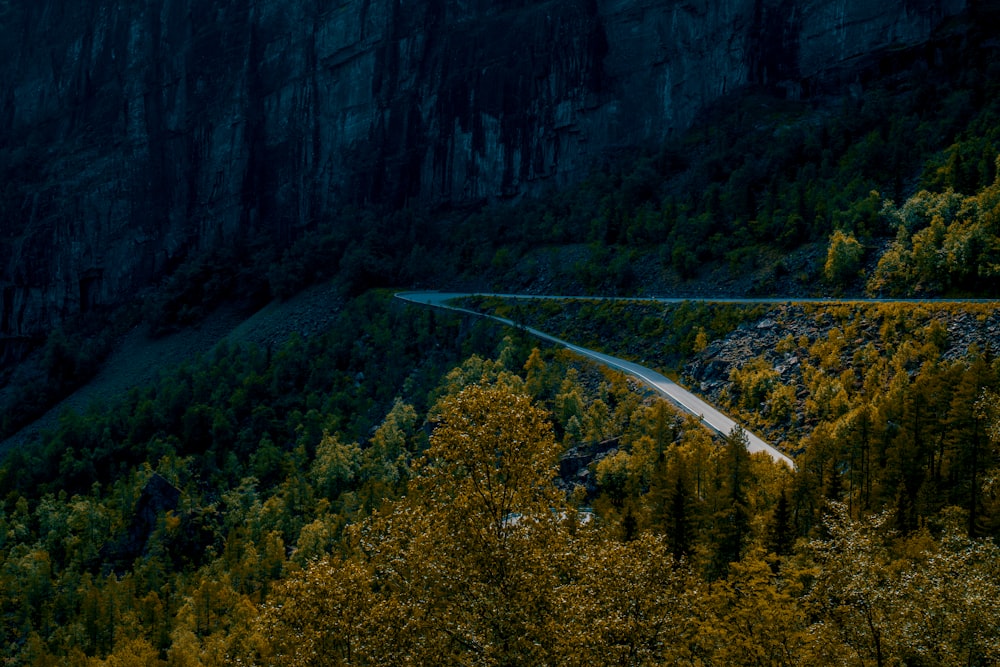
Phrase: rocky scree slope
[784,338]
[138,359]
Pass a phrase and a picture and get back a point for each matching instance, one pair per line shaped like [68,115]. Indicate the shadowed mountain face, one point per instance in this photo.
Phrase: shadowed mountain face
[134,133]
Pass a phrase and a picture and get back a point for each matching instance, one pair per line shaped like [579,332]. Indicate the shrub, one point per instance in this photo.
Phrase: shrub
[843,258]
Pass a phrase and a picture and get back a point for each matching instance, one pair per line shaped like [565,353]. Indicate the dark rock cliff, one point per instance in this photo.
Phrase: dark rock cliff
[133,133]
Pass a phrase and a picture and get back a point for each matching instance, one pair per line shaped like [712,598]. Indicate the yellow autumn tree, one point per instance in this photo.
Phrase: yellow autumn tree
[843,258]
[463,570]
[473,554]
[631,603]
[322,616]
[880,599]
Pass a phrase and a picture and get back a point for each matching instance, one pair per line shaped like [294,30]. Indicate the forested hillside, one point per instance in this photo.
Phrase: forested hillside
[887,187]
[418,487]
[398,490]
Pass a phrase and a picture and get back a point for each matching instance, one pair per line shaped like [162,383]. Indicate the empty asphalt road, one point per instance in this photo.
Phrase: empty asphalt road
[684,399]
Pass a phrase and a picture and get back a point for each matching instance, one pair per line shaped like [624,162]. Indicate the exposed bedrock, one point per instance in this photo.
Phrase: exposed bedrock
[132,133]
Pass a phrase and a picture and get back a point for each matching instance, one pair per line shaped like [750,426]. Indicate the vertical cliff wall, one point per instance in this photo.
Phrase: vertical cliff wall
[132,133]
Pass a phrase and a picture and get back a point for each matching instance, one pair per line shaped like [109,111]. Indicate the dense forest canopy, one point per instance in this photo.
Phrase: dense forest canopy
[491,502]
[413,486]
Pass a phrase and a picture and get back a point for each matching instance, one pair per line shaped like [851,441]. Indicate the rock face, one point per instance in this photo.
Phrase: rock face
[158,497]
[134,132]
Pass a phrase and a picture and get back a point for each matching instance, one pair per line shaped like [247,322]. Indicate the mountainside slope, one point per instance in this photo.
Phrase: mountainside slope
[137,360]
[134,135]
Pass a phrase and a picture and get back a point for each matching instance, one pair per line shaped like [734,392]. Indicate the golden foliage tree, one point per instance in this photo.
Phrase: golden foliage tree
[322,616]
[843,258]
[461,571]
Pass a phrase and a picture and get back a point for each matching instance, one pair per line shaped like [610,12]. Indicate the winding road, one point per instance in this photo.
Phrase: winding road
[709,415]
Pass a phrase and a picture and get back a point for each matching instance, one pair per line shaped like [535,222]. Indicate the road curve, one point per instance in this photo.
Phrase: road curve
[681,397]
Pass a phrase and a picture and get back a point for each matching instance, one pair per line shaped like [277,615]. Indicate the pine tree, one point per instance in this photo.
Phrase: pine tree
[732,518]
[678,522]
[781,533]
